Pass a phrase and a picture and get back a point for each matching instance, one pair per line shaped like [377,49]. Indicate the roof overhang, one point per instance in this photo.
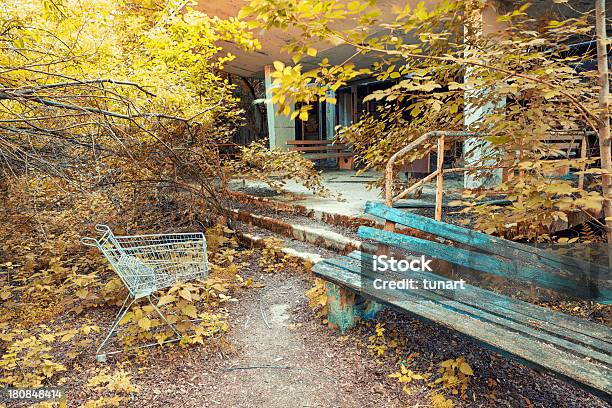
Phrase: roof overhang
[251,64]
[273,42]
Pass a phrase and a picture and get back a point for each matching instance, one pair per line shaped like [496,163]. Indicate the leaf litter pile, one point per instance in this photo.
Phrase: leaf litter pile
[254,331]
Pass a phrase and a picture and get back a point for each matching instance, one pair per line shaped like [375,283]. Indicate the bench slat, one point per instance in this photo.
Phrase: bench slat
[474,260]
[328,155]
[317,148]
[565,321]
[509,249]
[569,136]
[564,146]
[486,305]
[595,377]
[309,142]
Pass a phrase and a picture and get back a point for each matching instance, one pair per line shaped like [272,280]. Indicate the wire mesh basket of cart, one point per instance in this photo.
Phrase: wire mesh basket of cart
[147,263]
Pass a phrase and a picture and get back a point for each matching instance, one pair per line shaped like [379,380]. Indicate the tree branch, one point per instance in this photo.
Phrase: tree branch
[592,119]
[77,83]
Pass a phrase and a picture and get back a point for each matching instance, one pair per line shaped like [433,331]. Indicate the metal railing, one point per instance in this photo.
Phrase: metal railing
[438,174]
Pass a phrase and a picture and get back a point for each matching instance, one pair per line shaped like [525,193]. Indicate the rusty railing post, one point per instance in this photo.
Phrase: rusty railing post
[439,179]
[583,157]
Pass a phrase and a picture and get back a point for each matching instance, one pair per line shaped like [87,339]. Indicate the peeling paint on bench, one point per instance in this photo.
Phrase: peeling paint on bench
[345,308]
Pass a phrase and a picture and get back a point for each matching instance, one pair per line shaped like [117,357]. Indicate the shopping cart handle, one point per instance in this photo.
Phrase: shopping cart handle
[89,241]
[102,227]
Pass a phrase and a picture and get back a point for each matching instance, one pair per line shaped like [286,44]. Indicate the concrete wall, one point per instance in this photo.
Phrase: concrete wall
[475,149]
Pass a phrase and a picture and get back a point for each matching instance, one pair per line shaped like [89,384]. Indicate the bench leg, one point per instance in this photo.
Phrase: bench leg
[346,163]
[345,308]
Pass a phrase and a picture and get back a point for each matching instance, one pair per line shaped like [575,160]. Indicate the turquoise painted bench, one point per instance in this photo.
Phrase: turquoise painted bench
[573,349]
[496,256]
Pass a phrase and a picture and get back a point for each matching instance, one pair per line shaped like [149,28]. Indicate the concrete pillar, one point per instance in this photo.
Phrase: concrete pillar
[330,116]
[474,149]
[484,21]
[281,128]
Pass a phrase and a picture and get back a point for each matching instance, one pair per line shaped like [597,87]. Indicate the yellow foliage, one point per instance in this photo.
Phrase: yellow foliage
[427,85]
[378,343]
[119,381]
[28,360]
[317,297]
[273,259]
[115,388]
[456,374]
[440,401]
[275,167]
[406,375]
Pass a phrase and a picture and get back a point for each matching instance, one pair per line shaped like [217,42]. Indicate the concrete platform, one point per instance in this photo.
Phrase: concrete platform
[349,192]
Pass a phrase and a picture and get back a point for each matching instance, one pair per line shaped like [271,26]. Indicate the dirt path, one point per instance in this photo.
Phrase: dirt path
[284,363]
[278,354]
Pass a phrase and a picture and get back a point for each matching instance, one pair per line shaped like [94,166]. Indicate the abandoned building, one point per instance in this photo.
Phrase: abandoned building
[251,72]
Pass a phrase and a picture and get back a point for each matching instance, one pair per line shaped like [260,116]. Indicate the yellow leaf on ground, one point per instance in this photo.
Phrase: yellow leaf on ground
[144,323]
[185,294]
[164,300]
[466,369]
[82,293]
[5,294]
[190,311]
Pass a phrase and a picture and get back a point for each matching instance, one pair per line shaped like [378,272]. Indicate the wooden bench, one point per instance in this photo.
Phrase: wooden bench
[567,144]
[570,348]
[323,149]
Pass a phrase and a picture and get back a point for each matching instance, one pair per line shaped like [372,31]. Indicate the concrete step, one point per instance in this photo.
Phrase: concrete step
[318,236]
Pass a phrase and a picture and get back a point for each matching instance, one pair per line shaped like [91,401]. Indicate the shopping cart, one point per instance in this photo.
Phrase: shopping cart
[147,263]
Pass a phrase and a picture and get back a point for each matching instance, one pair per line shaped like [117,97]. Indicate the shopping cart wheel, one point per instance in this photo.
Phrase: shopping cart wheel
[101,358]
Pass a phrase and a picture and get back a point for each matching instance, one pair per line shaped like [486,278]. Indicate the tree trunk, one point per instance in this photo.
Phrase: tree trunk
[604,125]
